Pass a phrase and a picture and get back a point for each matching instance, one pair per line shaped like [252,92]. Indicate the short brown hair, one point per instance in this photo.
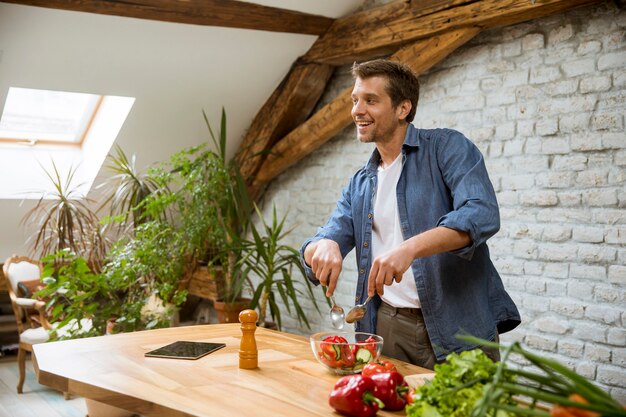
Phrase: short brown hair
[402,82]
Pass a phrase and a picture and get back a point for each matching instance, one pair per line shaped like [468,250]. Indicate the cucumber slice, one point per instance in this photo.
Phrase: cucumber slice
[337,349]
[364,355]
[358,366]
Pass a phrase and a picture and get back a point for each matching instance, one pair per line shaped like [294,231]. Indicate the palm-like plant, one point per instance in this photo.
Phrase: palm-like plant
[66,221]
[274,262]
[130,189]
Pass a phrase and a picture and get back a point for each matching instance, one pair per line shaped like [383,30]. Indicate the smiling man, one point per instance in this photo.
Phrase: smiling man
[419,214]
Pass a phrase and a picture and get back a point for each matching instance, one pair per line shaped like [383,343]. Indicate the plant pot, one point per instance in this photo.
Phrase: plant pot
[205,282]
[112,326]
[229,312]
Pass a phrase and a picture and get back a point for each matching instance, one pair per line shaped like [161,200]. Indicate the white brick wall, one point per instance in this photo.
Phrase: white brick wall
[545,102]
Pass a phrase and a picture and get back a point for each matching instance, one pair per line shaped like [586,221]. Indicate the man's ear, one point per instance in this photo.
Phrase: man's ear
[404,108]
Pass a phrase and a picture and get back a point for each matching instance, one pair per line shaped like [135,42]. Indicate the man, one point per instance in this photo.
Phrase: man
[419,214]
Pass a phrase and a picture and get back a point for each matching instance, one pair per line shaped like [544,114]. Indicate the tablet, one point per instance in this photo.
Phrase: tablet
[185,350]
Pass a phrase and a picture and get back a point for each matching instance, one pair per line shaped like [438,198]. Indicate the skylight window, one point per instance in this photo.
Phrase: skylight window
[75,130]
[46,116]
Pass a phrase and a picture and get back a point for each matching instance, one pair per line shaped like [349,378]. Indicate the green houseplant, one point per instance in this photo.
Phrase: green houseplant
[213,209]
[148,268]
[74,292]
[193,213]
[127,190]
[66,221]
[274,264]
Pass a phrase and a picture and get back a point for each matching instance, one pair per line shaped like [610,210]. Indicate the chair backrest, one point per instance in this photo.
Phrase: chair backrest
[17,269]
[20,268]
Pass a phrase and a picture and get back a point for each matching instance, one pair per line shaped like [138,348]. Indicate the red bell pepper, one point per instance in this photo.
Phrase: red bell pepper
[347,357]
[391,389]
[377,367]
[335,339]
[355,396]
[330,360]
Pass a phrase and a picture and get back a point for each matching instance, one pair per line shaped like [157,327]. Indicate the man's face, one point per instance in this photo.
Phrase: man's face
[372,111]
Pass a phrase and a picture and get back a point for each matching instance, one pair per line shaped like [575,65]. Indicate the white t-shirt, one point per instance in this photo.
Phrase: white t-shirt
[386,234]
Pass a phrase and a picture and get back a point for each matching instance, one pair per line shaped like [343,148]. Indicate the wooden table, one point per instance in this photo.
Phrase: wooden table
[114,370]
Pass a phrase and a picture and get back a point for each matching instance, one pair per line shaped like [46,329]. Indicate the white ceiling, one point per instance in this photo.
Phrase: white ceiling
[173,70]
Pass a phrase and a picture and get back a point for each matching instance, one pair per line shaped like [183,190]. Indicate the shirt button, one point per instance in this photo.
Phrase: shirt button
[361,271]
[356,299]
[365,244]
[369,215]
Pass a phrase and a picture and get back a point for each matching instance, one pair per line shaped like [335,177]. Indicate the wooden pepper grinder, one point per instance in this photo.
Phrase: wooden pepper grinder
[248,354]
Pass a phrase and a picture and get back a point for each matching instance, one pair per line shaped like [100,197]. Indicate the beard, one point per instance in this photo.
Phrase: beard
[373,134]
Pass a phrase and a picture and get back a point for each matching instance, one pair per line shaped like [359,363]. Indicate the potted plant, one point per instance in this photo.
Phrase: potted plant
[213,209]
[188,214]
[148,268]
[74,292]
[66,221]
[126,192]
[274,263]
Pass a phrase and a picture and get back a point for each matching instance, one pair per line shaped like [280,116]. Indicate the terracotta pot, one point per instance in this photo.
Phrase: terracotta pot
[229,312]
[111,326]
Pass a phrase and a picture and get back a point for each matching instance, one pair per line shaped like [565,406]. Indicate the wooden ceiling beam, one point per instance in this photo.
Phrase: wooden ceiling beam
[290,105]
[224,13]
[335,116]
[424,7]
[374,32]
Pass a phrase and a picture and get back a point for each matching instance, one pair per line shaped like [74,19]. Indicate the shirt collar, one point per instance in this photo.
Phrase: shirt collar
[411,140]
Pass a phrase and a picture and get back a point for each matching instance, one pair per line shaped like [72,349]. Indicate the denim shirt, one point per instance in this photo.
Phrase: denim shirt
[443,182]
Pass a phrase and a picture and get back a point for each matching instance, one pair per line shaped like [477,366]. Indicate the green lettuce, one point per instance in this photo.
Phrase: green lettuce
[457,386]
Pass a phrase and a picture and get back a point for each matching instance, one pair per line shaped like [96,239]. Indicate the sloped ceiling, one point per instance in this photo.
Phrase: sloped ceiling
[174,70]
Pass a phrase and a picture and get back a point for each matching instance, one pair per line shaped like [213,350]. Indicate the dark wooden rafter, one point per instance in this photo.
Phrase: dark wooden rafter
[225,13]
[419,32]
[373,32]
[290,104]
[376,31]
[335,116]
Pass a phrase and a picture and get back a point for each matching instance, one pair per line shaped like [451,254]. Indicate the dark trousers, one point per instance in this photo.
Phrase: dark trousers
[406,338]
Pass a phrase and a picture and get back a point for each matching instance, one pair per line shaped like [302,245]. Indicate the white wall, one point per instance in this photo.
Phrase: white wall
[173,70]
[545,102]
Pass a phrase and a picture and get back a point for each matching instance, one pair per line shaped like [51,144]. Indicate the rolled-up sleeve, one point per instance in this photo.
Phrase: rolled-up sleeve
[475,207]
[339,228]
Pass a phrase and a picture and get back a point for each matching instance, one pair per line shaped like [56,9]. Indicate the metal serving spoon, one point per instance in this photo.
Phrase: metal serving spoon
[337,316]
[357,312]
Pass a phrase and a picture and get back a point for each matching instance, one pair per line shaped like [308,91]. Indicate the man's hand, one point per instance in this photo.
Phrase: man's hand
[391,265]
[388,267]
[325,260]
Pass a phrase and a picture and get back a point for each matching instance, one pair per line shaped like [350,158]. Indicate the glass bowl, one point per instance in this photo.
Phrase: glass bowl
[346,353]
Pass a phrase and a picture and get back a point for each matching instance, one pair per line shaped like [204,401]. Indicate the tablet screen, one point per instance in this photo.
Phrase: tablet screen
[185,350]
